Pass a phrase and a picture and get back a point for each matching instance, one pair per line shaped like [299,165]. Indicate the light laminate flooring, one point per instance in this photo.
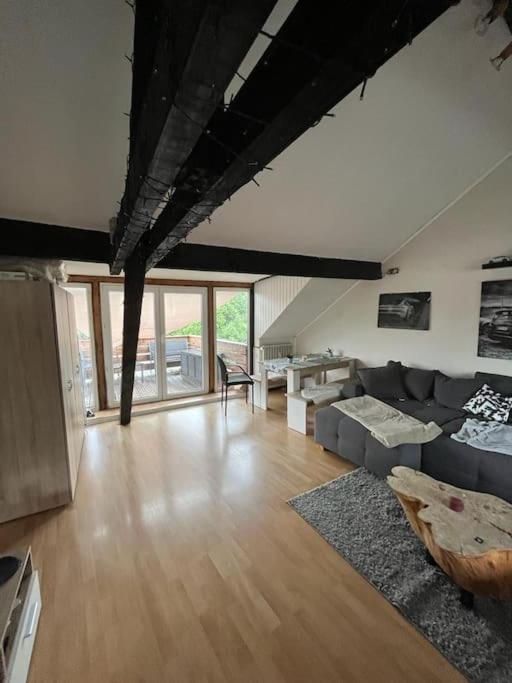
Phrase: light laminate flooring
[181,561]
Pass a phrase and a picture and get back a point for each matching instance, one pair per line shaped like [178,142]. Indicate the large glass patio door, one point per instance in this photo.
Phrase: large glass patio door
[231,310]
[172,357]
[146,385]
[184,337]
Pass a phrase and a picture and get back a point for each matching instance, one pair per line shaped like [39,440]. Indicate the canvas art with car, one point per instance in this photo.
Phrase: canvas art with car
[409,310]
[495,329]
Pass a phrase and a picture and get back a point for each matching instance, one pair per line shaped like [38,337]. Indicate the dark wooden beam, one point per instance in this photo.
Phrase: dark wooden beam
[133,293]
[317,58]
[38,240]
[225,259]
[177,86]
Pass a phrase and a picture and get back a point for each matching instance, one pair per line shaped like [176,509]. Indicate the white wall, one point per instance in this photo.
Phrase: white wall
[271,297]
[312,299]
[445,259]
[433,120]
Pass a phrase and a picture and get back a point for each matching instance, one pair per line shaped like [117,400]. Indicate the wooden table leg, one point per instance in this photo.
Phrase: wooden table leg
[264,389]
[293,381]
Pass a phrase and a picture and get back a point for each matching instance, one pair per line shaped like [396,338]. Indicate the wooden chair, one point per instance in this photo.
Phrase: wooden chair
[233,379]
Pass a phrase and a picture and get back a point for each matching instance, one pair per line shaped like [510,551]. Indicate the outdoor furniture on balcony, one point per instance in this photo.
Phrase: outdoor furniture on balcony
[173,348]
[192,364]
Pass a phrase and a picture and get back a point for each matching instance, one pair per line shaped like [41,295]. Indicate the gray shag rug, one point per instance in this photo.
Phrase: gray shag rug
[361,518]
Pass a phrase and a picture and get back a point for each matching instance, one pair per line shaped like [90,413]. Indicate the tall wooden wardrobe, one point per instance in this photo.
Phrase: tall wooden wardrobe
[41,404]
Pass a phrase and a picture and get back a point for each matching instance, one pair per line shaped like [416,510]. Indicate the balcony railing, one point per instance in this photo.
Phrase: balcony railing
[183,359]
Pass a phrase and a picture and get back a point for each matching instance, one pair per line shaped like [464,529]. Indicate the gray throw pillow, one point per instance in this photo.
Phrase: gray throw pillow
[418,383]
[384,383]
[454,392]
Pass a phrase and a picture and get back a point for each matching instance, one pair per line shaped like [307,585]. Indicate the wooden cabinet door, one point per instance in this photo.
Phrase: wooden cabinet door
[33,471]
[67,379]
[77,399]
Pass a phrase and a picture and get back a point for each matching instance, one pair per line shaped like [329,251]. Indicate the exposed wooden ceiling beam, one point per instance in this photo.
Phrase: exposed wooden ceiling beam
[317,58]
[41,240]
[38,240]
[177,85]
[225,259]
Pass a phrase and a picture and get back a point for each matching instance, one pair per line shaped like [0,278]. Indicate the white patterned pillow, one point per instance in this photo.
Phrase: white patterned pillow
[489,404]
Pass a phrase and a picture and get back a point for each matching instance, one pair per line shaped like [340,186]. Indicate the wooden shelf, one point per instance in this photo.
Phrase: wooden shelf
[490,266]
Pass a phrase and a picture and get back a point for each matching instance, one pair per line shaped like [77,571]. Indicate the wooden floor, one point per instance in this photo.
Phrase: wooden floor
[145,386]
[181,561]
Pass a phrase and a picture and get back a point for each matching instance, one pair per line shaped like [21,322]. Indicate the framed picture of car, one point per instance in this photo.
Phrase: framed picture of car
[406,311]
[495,329]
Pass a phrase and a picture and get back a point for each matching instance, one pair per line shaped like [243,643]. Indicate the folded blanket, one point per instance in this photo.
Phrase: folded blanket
[488,436]
[319,393]
[386,424]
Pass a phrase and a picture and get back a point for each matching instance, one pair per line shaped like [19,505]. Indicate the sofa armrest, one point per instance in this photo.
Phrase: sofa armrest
[352,388]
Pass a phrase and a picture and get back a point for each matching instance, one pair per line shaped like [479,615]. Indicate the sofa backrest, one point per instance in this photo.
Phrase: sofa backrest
[454,392]
[418,383]
[499,383]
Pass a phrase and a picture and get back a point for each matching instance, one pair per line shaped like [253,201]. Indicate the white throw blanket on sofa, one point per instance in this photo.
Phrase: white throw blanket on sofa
[488,436]
[386,424]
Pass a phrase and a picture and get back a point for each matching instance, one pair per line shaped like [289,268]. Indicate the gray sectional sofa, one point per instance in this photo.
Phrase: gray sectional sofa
[444,458]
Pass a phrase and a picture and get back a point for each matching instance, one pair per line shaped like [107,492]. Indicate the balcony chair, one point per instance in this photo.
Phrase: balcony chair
[233,379]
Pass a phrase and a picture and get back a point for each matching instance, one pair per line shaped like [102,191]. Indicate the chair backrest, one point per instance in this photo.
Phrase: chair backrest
[222,368]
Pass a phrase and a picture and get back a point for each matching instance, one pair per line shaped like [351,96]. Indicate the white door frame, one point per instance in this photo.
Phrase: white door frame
[88,289]
[205,334]
[105,288]
[214,331]
[160,366]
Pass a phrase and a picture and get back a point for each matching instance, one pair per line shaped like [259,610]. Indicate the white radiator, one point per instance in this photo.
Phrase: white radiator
[267,351]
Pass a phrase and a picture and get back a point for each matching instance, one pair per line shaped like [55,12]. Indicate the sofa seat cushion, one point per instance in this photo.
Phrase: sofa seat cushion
[381,460]
[326,427]
[467,467]
[494,474]
[351,439]
[452,462]
[408,406]
[453,426]
[433,412]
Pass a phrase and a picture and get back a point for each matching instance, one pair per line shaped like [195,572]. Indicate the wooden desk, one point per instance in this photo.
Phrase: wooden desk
[296,370]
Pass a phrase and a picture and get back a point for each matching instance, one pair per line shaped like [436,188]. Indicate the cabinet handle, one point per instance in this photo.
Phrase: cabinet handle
[69,384]
[32,620]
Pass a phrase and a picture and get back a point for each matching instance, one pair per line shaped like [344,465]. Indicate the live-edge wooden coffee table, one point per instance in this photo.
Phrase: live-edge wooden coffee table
[473,545]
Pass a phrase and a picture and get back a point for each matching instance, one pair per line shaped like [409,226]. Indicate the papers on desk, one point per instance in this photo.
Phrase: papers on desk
[280,366]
